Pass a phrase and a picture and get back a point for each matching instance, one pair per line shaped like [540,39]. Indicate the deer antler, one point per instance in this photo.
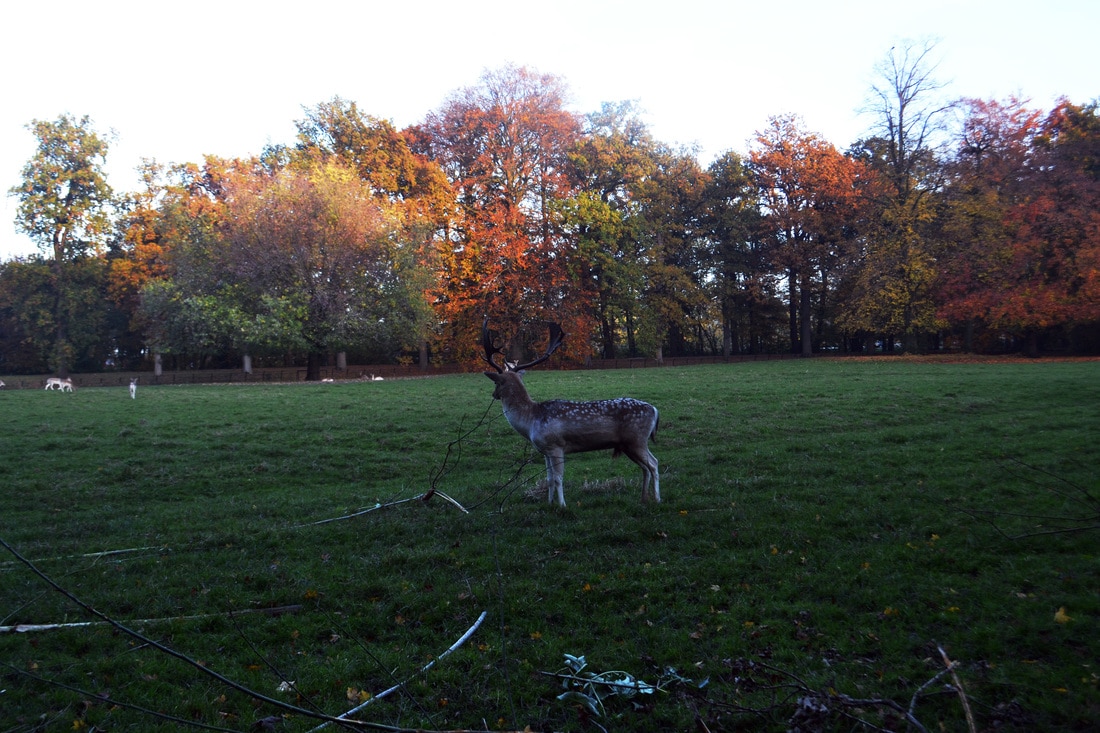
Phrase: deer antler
[488,343]
[488,339]
[556,338]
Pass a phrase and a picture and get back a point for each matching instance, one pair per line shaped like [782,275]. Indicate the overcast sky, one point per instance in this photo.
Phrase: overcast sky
[174,81]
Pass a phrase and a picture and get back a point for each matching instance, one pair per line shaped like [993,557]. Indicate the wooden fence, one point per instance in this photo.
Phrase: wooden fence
[273,375]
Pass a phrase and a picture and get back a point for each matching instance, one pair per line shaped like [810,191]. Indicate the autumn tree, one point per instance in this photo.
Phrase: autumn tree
[379,153]
[65,206]
[989,176]
[810,194]
[188,312]
[136,257]
[1024,222]
[413,187]
[504,145]
[894,293]
[306,261]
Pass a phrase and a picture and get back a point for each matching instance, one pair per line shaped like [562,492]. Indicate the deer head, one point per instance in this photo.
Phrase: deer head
[488,343]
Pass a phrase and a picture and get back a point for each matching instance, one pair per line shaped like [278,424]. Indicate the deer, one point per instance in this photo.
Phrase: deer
[65,385]
[133,389]
[557,427]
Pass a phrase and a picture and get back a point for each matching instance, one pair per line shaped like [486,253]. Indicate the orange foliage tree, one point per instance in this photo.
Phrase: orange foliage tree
[504,146]
[810,193]
[1026,257]
[414,188]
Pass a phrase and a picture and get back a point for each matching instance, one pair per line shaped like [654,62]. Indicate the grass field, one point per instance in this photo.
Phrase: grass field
[827,528]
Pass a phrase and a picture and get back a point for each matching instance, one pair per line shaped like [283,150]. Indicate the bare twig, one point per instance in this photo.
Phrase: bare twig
[419,497]
[1061,524]
[95,555]
[25,628]
[443,468]
[1086,498]
[983,515]
[959,688]
[462,640]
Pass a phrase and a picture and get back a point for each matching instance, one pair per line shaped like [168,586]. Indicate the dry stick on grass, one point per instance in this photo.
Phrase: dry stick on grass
[24,628]
[96,555]
[809,697]
[462,640]
[419,497]
[959,688]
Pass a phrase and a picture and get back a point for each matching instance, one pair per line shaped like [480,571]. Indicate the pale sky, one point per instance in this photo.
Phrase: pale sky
[177,80]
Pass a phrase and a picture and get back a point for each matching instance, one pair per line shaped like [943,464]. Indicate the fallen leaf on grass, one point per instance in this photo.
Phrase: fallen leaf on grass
[354,694]
[1061,617]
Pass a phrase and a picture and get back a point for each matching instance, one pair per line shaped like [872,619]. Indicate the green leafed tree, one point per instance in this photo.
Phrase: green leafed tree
[296,259]
[740,280]
[65,206]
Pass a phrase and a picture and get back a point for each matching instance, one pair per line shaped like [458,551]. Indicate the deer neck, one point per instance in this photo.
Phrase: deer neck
[519,408]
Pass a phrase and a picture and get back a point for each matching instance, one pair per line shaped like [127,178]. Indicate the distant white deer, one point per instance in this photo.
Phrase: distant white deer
[558,427]
[65,385]
[133,389]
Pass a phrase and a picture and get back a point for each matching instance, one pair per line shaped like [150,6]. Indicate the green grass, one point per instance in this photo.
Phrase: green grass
[821,528]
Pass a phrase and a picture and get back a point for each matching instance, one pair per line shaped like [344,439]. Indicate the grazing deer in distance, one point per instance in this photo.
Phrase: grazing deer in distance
[133,389]
[557,427]
[65,385]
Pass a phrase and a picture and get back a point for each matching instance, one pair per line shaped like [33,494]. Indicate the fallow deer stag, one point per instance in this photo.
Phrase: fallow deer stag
[557,427]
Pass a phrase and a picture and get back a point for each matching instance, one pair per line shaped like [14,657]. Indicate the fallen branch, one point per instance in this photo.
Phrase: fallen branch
[959,688]
[462,640]
[26,628]
[419,497]
[96,555]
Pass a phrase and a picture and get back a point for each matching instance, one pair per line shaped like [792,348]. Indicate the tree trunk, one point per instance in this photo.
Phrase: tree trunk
[804,320]
[313,366]
[792,308]
[607,334]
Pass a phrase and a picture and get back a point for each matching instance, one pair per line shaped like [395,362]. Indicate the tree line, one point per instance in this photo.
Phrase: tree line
[972,226]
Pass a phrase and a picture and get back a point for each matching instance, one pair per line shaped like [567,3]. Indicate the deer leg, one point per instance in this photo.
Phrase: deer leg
[555,470]
[655,477]
[650,475]
[549,479]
